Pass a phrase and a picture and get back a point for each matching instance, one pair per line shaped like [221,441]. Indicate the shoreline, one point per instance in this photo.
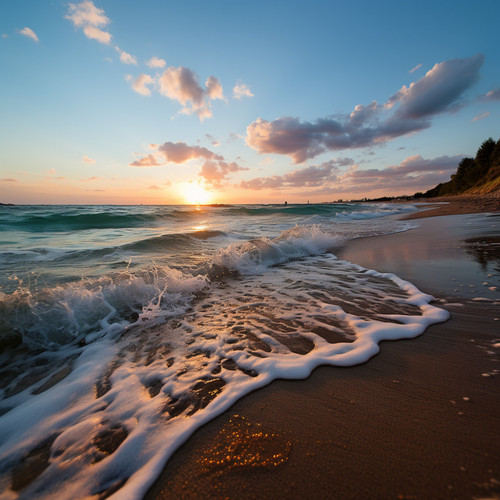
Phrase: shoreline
[419,420]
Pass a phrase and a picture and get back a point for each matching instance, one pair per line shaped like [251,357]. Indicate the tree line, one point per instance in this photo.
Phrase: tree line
[474,175]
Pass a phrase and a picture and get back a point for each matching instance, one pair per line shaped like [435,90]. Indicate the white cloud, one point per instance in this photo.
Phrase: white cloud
[156,62]
[140,84]
[241,90]
[88,160]
[97,34]
[125,57]
[86,13]
[29,33]
[181,84]
[91,19]
[417,67]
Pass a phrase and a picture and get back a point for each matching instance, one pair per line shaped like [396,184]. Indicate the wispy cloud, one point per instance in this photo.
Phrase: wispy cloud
[241,90]
[29,33]
[414,173]
[417,67]
[409,110]
[8,179]
[88,160]
[481,117]
[492,95]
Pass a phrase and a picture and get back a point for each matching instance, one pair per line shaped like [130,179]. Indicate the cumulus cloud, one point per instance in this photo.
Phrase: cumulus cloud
[176,152]
[215,169]
[91,19]
[409,110]
[313,176]
[29,33]
[88,160]
[140,84]
[480,117]
[156,62]
[181,84]
[241,90]
[216,173]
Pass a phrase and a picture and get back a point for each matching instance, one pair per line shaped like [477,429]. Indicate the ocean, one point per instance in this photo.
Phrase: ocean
[123,329]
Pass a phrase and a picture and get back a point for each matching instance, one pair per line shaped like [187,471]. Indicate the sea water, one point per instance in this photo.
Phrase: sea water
[125,328]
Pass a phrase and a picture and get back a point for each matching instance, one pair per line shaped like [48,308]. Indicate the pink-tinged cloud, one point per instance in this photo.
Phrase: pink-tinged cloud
[417,67]
[176,152]
[216,173]
[29,33]
[215,170]
[181,84]
[309,177]
[147,161]
[492,95]
[180,152]
[88,160]
[140,84]
[481,117]
[241,90]
[125,57]
[97,34]
[156,62]
[91,19]
[414,174]
[8,179]
[410,110]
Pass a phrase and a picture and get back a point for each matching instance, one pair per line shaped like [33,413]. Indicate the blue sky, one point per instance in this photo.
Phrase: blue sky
[244,101]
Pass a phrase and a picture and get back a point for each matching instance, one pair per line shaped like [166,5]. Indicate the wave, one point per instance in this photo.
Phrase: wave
[145,394]
[74,220]
[87,308]
[163,243]
[254,256]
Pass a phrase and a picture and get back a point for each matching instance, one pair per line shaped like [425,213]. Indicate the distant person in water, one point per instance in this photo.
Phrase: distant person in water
[286,203]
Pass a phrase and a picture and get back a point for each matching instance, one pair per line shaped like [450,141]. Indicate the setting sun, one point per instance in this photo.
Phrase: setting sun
[195,194]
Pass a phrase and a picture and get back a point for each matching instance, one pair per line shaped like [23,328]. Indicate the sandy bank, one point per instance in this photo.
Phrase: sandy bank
[420,420]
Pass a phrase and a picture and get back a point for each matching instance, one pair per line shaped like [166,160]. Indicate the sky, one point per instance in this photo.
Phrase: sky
[168,102]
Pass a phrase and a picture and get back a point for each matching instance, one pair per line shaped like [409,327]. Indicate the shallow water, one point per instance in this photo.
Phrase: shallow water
[126,328]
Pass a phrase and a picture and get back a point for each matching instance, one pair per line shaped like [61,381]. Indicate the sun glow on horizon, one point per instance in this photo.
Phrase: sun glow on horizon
[195,194]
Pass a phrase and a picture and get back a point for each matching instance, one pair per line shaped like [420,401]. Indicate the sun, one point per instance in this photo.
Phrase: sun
[195,194]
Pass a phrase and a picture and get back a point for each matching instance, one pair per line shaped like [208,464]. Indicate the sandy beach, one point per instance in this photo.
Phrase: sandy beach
[420,420]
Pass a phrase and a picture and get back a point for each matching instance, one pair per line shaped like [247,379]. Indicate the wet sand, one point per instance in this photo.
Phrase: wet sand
[421,420]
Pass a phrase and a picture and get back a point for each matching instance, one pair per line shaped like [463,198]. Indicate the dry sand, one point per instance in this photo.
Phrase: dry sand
[421,420]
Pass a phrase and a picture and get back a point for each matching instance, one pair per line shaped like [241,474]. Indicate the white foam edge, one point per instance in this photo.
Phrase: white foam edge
[357,352]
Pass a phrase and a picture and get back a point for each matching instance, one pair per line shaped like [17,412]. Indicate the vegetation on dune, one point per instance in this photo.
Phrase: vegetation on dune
[479,175]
